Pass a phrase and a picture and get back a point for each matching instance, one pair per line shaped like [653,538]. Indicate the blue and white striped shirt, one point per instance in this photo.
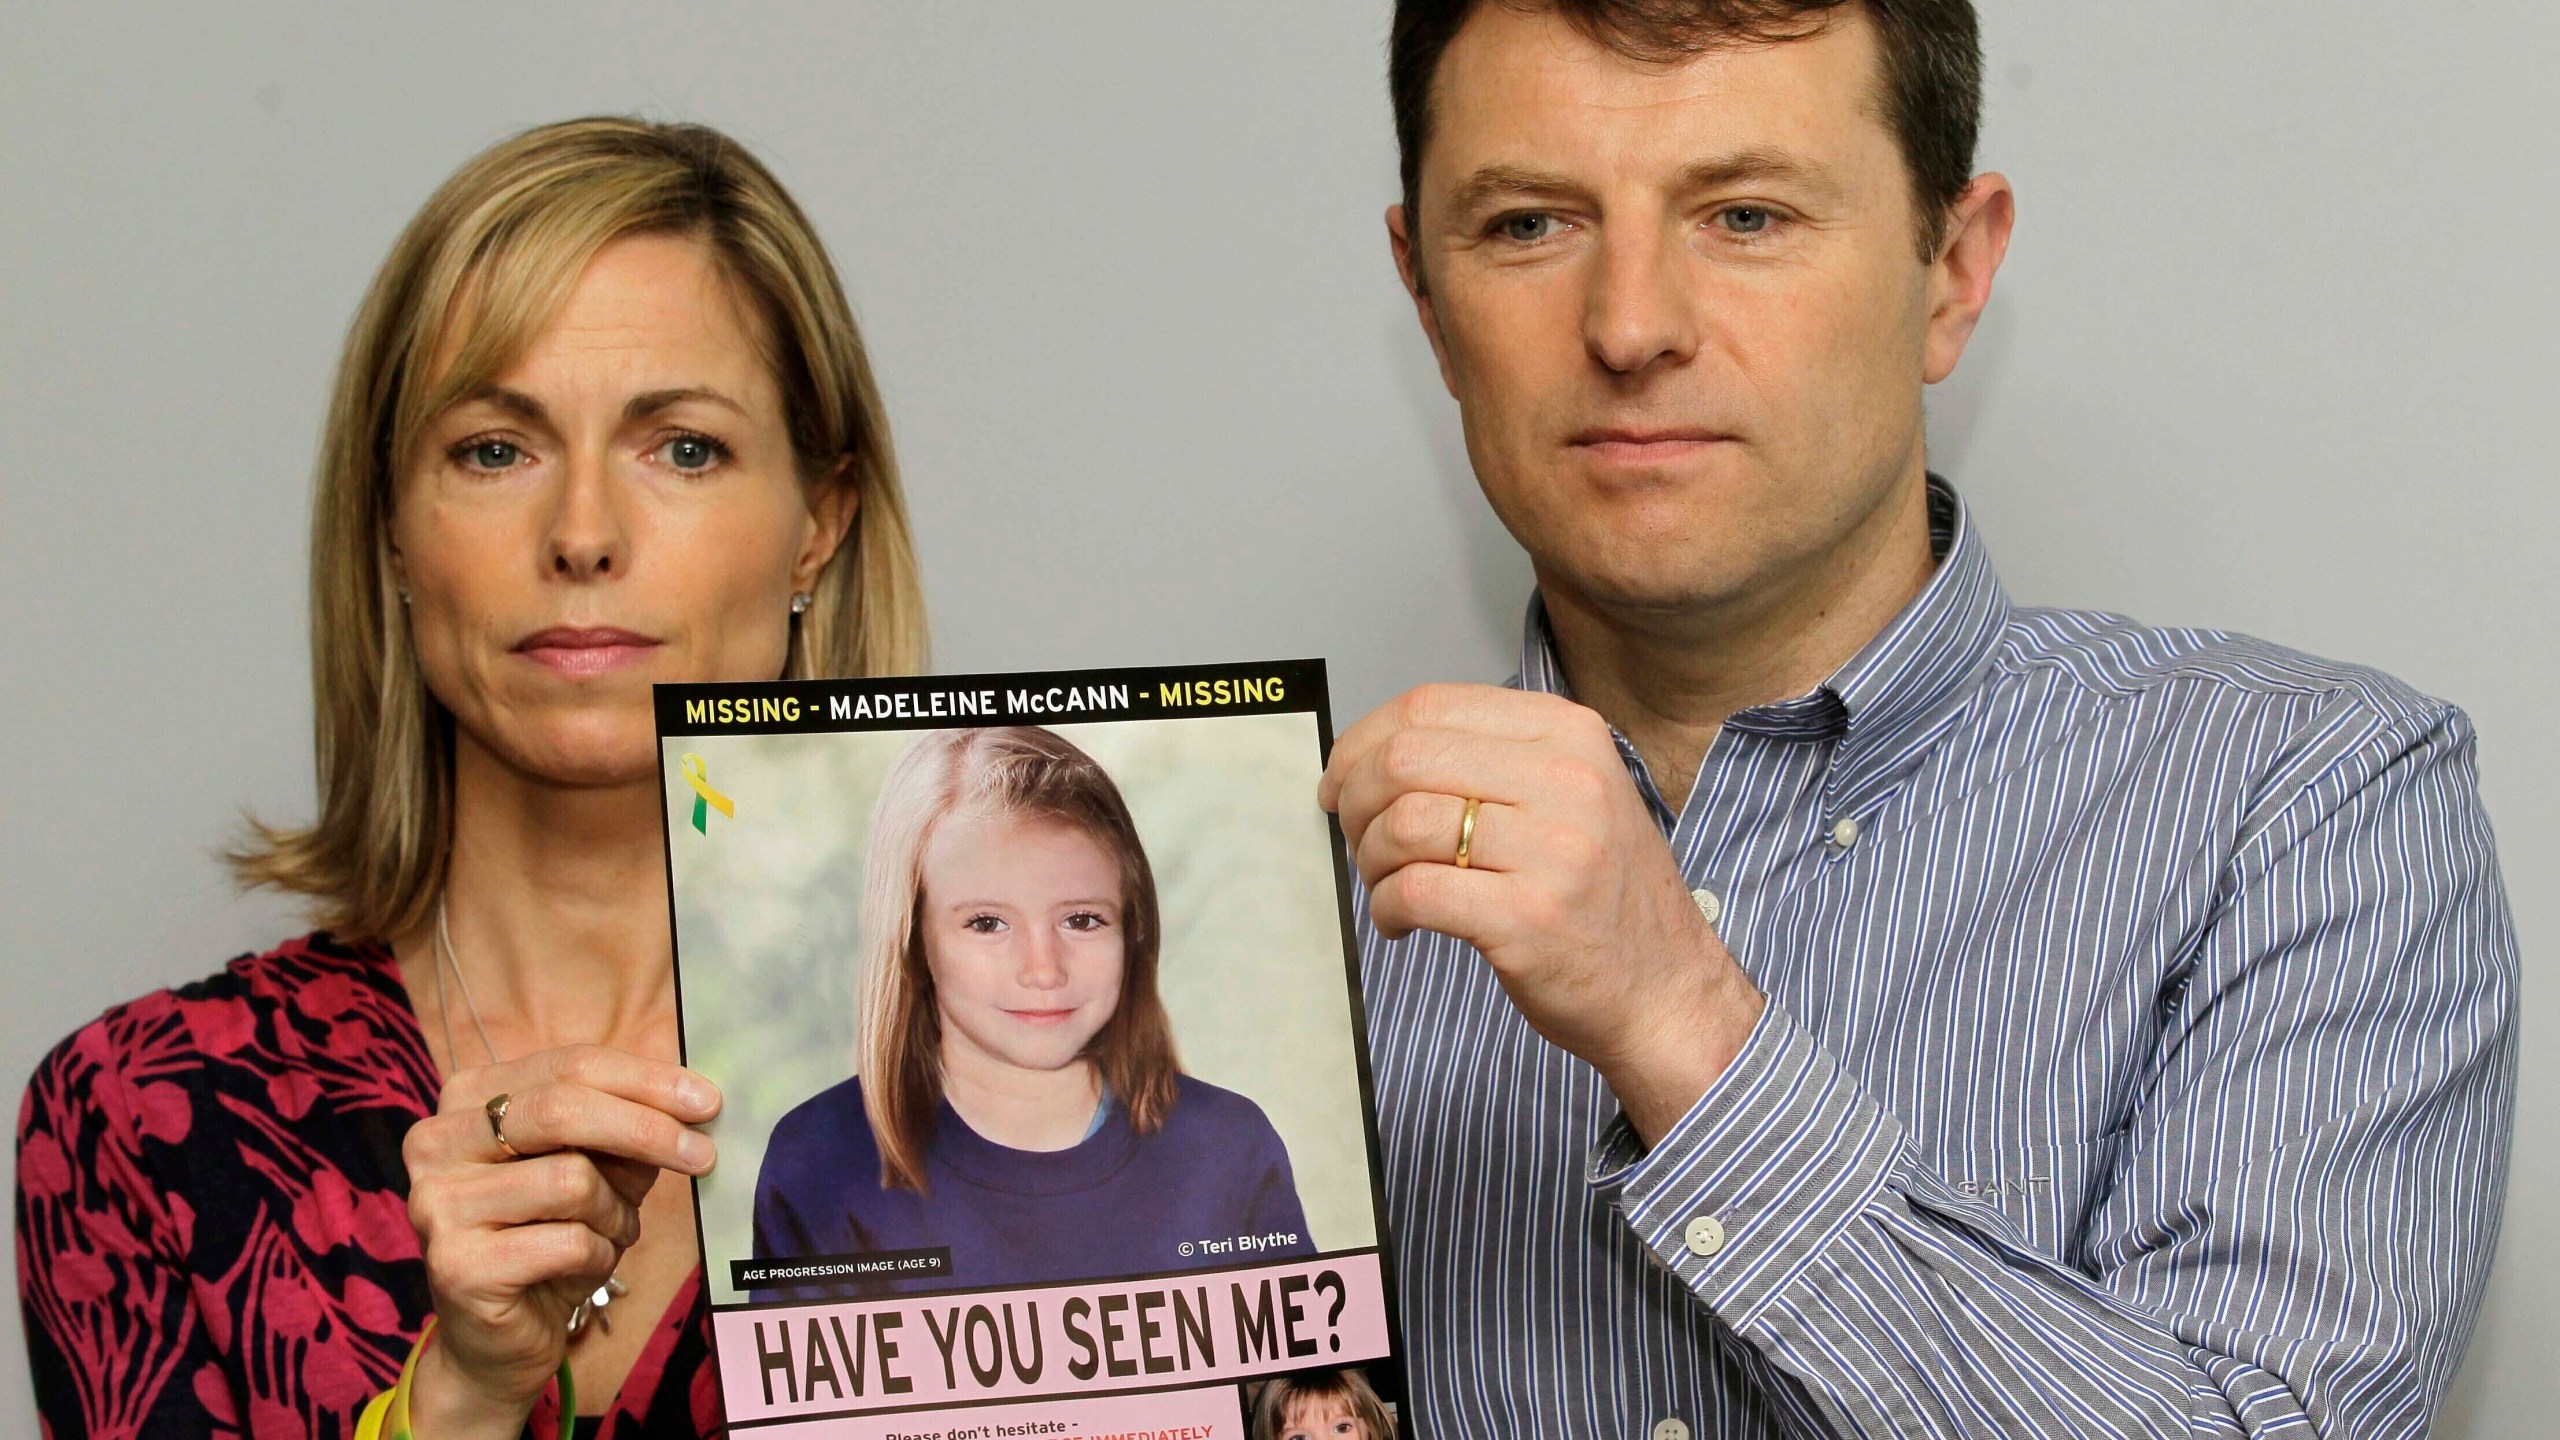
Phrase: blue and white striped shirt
[2139,1060]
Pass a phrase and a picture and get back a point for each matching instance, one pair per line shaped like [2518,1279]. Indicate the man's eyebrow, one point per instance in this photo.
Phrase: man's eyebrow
[1492,183]
[1746,166]
[650,402]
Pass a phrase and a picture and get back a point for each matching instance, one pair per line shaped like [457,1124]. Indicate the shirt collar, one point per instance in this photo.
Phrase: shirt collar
[1890,696]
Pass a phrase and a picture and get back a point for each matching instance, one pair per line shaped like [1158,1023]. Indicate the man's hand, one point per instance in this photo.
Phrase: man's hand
[1570,892]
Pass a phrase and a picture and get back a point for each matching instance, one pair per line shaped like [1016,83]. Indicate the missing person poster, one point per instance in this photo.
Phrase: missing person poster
[1047,1105]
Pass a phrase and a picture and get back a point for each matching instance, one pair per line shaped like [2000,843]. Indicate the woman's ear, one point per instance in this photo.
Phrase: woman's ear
[833,503]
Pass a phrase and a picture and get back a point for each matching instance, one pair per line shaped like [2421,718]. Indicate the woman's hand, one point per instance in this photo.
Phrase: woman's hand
[513,1245]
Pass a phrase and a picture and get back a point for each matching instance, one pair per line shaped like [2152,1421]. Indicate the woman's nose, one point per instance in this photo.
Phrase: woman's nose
[586,540]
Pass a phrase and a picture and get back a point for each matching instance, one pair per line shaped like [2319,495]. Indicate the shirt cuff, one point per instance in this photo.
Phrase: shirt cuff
[1767,1170]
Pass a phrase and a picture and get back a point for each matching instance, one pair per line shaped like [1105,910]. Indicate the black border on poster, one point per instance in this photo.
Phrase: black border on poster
[1048,697]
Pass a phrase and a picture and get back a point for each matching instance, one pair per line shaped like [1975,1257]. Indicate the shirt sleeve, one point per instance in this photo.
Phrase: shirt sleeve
[2301,1206]
[113,1336]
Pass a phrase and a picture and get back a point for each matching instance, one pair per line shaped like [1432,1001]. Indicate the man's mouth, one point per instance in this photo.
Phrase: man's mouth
[1641,445]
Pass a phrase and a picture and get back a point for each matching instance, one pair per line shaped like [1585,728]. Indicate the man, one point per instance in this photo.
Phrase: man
[1818,997]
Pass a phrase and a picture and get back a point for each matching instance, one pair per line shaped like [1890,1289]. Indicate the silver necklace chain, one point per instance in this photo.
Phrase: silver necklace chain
[594,1307]
[445,957]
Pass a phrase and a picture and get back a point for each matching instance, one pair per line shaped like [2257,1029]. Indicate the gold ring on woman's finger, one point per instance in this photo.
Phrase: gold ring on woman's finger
[497,1112]
[1467,833]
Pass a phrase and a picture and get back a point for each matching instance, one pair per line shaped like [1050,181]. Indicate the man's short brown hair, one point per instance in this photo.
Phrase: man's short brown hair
[1932,90]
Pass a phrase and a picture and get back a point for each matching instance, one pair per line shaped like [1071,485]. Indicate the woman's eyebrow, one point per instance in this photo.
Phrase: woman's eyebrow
[515,402]
[650,402]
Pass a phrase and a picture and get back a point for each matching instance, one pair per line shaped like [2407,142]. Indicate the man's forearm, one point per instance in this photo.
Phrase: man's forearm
[1789,1203]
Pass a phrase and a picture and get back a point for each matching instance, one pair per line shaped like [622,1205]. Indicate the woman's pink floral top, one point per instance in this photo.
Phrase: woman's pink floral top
[213,1225]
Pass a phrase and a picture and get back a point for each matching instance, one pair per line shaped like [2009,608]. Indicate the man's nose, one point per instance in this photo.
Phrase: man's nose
[1642,310]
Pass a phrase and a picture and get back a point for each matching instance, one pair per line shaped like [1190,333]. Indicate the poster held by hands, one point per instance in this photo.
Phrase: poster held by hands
[1035,1012]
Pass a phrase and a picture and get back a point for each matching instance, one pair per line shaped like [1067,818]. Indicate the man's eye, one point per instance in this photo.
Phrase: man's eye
[488,454]
[1527,229]
[1746,219]
[692,452]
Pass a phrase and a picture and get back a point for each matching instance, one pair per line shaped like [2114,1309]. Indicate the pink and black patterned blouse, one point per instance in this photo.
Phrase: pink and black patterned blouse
[213,1225]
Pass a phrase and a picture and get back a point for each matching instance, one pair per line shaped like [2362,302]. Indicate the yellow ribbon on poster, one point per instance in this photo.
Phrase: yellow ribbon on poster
[705,799]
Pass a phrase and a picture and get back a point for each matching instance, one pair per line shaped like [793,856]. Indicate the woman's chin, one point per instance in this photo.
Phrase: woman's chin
[598,753]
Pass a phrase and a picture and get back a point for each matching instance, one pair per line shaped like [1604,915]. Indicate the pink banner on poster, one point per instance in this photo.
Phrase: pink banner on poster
[932,1351]
[1216,1413]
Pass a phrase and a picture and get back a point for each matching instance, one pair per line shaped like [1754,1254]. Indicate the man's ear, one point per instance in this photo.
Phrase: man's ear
[1416,285]
[833,503]
[1978,227]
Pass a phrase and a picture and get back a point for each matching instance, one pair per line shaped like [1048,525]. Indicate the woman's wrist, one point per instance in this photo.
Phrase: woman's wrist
[447,1402]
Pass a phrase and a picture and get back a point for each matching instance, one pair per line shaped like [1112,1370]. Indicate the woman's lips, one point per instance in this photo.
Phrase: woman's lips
[1040,1017]
[571,651]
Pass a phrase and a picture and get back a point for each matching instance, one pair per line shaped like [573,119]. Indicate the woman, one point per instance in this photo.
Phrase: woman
[604,420]
[1018,1100]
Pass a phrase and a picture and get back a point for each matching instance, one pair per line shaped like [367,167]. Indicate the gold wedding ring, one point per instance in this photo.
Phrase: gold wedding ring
[1467,834]
[496,1110]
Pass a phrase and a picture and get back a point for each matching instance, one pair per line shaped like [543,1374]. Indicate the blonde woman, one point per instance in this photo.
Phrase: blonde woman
[604,420]
[1019,1102]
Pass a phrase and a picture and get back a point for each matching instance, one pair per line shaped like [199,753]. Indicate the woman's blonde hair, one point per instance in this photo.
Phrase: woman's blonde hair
[1014,772]
[479,273]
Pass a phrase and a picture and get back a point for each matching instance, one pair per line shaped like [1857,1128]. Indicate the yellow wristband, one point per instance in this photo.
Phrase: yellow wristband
[386,1416]
[369,1423]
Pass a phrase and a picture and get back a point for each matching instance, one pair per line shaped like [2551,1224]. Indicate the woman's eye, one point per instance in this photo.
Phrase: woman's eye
[982,924]
[489,454]
[1746,219]
[1086,920]
[1527,229]
[692,452]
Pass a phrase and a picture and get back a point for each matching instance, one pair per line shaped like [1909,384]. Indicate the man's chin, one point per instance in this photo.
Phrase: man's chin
[1635,591]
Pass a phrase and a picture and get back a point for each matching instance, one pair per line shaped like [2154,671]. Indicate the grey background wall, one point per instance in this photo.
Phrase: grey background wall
[2272,352]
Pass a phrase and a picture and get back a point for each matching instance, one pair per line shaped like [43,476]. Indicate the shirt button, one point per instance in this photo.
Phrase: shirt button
[1705,1236]
[1708,905]
[1670,1427]
[1844,832]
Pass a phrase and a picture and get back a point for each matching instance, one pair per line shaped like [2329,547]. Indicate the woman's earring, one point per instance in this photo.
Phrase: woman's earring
[799,602]
[404,596]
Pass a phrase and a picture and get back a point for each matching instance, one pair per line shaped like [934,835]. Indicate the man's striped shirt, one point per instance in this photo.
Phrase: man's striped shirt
[2139,1060]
